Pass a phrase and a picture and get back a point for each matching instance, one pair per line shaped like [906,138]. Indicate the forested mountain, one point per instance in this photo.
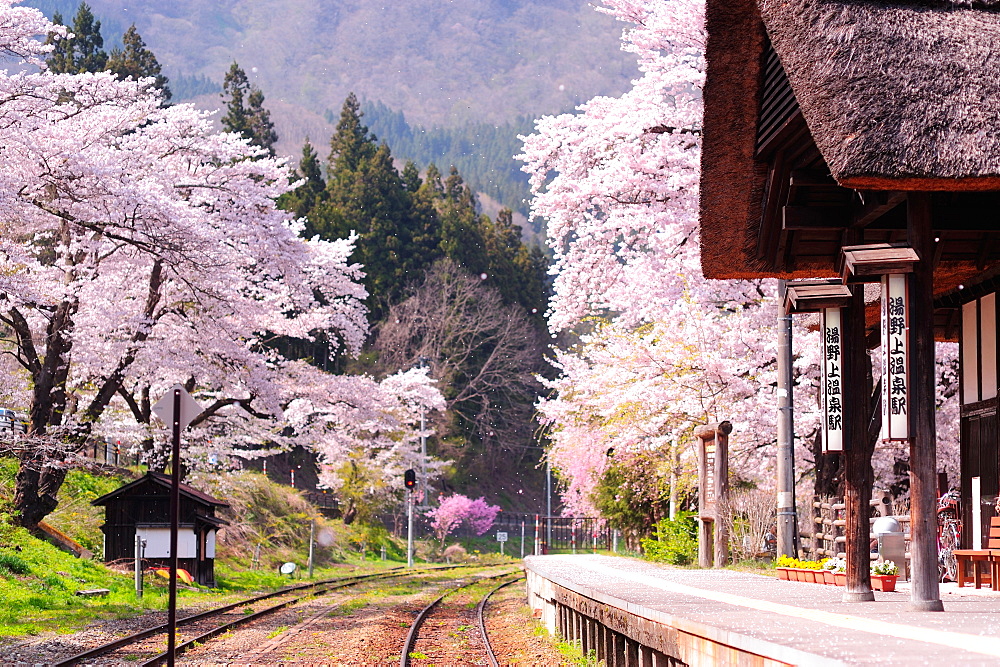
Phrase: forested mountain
[445,64]
[482,152]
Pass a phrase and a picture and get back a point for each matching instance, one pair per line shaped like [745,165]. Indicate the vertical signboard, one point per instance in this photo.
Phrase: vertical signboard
[895,362]
[833,382]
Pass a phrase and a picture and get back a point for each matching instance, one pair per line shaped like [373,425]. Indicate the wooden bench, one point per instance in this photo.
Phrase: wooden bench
[93,592]
[978,560]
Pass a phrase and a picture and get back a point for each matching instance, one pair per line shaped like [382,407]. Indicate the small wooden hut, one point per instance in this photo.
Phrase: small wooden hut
[838,133]
[142,508]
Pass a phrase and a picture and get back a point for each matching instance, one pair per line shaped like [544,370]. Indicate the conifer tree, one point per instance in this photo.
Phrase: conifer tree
[245,112]
[83,52]
[136,61]
[305,198]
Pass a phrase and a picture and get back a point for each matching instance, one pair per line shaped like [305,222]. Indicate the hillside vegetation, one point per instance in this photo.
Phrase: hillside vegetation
[445,64]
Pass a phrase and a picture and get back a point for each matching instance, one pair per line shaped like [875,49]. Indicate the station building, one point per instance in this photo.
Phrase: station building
[855,140]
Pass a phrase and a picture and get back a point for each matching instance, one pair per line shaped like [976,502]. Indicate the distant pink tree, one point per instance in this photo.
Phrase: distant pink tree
[457,509]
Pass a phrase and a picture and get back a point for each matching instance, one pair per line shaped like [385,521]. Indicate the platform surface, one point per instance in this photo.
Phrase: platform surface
[808,622]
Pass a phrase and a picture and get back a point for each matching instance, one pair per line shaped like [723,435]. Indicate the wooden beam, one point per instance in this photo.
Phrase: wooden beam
[985,250]
[876,204]
[802,218]
[777,180]
[811,180]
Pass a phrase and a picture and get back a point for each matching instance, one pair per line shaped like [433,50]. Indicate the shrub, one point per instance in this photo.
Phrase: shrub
[676,540]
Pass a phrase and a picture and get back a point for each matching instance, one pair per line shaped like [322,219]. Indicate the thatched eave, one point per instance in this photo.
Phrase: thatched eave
[897,95]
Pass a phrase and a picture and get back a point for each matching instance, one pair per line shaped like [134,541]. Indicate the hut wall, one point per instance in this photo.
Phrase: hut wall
[980,446]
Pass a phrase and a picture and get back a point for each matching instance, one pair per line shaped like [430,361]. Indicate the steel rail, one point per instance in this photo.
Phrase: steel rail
[481,620]
[411,636]
[339,582]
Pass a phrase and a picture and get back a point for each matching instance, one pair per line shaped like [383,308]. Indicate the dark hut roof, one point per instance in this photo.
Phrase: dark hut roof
[896,96]
[159,479]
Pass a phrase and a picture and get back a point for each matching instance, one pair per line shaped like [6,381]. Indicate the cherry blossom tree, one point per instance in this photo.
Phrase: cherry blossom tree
[656,348]
[456,510]
[141,249]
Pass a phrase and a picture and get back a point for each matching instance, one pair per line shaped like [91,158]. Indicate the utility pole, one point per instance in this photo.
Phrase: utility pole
[786,434]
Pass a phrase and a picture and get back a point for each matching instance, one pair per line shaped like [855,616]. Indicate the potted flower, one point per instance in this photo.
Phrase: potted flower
[830,567]
[840,572]
[884,575]
[784,568]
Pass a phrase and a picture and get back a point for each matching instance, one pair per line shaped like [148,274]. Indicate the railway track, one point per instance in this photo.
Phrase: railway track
[409,652]
[202,627]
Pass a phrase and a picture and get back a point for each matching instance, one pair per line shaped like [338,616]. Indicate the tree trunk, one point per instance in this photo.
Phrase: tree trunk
[37,486]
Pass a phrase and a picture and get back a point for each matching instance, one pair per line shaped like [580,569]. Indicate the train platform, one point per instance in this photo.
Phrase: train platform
[760,619]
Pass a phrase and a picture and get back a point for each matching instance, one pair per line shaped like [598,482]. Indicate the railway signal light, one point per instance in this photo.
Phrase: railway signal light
[410,479]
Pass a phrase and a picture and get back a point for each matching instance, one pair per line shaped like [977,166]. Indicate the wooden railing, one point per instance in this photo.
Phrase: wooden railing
[827,538]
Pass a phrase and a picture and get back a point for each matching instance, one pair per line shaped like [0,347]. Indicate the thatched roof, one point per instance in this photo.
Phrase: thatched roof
[732,182]
[897,95]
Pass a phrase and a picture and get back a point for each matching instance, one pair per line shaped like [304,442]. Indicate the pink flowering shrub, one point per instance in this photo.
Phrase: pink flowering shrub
[458,509]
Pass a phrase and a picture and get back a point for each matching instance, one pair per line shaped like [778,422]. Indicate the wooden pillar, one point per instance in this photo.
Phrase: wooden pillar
[858,476]
[712,525]
[705,521]
[722,493]
[924,592]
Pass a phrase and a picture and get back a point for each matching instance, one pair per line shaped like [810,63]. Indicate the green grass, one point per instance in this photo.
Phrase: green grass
[38,585]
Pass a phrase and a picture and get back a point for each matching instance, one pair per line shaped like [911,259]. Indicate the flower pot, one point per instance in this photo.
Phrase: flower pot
[884,582]
[840,578]
[829,578]
[802,575]
[783,573]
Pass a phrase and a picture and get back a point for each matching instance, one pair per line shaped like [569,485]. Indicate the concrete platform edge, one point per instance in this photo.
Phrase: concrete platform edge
[721,636]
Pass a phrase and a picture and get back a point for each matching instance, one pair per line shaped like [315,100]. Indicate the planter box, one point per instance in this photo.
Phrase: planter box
[829,578]
[783,573]
[884,582]
[840,578]
[803,575]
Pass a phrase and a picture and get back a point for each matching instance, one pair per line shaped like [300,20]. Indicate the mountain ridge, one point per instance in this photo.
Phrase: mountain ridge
[443,64]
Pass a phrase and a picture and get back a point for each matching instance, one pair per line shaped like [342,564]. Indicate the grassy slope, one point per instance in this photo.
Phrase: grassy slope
[38,582]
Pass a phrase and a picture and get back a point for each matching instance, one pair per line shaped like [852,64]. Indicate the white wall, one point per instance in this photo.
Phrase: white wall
[158,542]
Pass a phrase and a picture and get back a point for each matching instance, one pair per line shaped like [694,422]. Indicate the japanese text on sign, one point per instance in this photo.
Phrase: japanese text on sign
[895,379]
[833,382]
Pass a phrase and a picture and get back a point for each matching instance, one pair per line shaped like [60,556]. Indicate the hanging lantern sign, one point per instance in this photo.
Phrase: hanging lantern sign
[833,381]
[895,360]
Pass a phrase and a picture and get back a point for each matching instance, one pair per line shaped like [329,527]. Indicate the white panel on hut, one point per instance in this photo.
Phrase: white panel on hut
[970,353]
[988,331]
[158,541]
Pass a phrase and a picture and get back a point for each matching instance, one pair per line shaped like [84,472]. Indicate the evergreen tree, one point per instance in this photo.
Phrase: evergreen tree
[136,61]
[351,142]
[245,112]
[462,227]
[307,196]
[83,52]
[397,229]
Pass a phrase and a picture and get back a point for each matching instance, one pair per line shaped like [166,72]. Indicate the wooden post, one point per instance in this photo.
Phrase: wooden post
[722,508]
[712,510]
[858,476]
[924,593]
